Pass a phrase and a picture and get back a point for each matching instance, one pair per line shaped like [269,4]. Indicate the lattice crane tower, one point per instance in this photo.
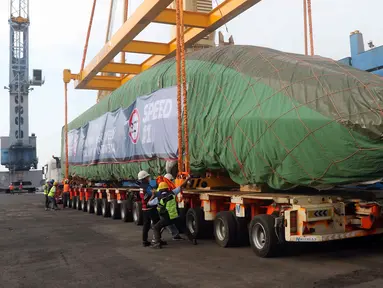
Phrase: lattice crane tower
[18,150]
[203,6]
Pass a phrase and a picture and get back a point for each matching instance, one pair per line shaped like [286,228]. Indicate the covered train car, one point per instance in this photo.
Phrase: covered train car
[261,115]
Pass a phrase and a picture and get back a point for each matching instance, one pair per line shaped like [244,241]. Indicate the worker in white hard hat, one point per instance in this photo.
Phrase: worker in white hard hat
[169,176]
[150,213]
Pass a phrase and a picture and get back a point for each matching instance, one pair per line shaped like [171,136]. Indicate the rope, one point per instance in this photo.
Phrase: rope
[66,131]
[305,26]
[309,10]
[108,28]
[88,35]
[178,68]
[220,11]
[184,87]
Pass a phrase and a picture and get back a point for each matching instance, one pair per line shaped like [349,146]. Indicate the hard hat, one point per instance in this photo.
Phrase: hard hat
[55,184]
[142,175]
[169,176]
[162,186]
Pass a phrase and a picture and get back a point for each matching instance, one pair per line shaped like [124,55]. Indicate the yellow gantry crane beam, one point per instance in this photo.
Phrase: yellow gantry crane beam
[199,25]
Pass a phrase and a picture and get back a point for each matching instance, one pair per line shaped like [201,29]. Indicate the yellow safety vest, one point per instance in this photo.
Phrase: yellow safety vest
[52,192]
[46,189]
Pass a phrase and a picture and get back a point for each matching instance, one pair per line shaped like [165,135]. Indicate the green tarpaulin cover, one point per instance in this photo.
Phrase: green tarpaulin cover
[266,117]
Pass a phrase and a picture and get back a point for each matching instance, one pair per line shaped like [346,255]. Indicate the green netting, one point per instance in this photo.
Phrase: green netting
[266,117]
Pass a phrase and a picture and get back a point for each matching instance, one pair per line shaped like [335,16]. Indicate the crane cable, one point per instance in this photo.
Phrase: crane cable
[124,18]
[305,26]
[66,131]
[88,35]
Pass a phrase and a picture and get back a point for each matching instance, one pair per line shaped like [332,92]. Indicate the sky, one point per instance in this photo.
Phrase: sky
[57,37]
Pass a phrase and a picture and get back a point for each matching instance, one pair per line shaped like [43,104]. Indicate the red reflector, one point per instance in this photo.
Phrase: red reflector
[293,222]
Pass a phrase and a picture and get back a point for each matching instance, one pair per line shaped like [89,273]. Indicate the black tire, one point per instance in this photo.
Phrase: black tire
[74,202]
[78,204]
[65,196]
[115,209]
[84,207]
[137,213]
[225,229]
[262,237]
[97,206]
[126,211]
[90,206]
[195,223]
[105,208]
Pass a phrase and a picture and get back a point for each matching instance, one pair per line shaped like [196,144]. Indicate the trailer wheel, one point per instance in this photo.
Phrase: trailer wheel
[97,206]
[78,204]
[90,205]
[225,228]
[137,213]
[195,222]
[115,210]
[262,236]
[68,201]
[105,208]
[126,211]
[74,202]
[84,205]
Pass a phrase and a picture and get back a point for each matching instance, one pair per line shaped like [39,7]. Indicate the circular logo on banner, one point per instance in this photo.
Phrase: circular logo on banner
[134,126]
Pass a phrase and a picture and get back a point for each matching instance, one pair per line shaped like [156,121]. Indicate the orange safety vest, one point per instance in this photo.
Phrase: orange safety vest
[171,185]
[66,188]
[11,187]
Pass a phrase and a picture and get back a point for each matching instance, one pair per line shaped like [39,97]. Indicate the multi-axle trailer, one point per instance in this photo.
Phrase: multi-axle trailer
[266,220]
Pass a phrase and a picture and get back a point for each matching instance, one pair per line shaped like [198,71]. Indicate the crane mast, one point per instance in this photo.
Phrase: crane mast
[18,150]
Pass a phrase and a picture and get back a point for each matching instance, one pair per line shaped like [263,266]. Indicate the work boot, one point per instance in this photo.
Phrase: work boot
[156,245]
[146,243]
[191,238]
[178,237]
[163,243]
